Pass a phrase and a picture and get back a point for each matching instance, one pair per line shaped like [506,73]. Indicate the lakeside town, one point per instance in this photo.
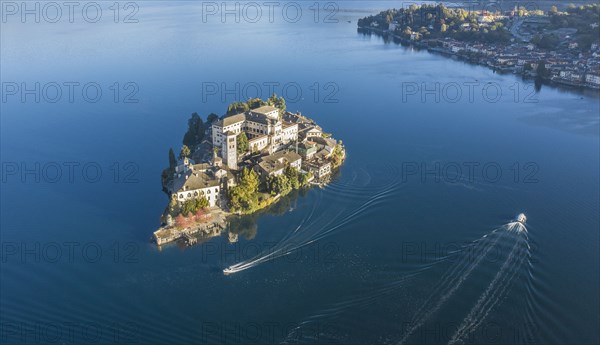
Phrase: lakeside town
[557,47]
[240,163]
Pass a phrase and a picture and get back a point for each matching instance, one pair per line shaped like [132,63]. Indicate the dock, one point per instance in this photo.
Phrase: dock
[189,239]
[190,235]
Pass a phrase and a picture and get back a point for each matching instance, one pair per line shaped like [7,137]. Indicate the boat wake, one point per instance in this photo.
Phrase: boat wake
[320,327]
[337,322]
[310,231]
[513,233]
[497,288]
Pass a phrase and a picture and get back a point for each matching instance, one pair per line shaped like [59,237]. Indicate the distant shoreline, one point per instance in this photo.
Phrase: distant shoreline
[424,45]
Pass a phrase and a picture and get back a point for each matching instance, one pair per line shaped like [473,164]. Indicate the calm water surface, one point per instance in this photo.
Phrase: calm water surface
[399,248]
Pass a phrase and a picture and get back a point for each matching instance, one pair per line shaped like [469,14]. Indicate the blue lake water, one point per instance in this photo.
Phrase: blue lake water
[394,250]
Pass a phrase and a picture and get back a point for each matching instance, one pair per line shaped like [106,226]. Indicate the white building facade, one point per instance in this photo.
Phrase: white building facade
[263,127]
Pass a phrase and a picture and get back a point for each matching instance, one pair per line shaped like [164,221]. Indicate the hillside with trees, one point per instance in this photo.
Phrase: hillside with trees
[438,21]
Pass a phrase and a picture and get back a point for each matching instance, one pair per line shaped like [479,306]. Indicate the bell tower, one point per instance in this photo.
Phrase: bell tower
[229,150]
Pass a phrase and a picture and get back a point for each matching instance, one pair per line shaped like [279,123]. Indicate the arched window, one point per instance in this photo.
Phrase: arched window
[189,195]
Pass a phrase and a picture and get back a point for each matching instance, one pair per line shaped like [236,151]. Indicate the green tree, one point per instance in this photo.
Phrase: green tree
[212,117]
[201,203]
[241,200]
[549,41]
[173,207]
[185,152]
[279,184]
[235,196]
[254,103]
[304,178]
[195,132]
[242,143]
[542,71]
[250,180]
[236,108]
[188,207]
[293,176]
[192,206]
[338,155]
[277,102]
[244,196]
[172,159]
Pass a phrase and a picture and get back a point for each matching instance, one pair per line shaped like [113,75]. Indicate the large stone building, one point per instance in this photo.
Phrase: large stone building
[290,140]
[275,164]
[277,141]
[263,126]
[192,181]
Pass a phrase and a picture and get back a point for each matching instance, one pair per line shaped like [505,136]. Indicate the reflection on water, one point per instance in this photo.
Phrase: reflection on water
[315,227]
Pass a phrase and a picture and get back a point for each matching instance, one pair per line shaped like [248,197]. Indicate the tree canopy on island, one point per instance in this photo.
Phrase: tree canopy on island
[185,152]
[242,143]
[172,159]
[283,184]
[244,196]
[338,154]
[277,102]
[195,132]
[212,117]
[236,108]
[191,206]
[188,207]
[253,103]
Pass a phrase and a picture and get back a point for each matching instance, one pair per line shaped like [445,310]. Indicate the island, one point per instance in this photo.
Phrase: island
[560,47]
[240,163]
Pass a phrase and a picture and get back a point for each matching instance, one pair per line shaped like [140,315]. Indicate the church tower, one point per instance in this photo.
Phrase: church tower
[229,150]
